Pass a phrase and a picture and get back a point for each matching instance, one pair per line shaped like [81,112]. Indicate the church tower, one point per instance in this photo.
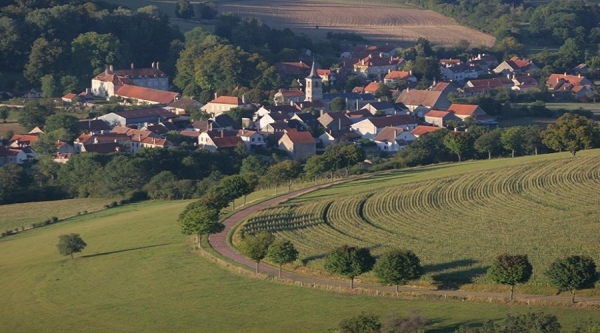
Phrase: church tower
[314,86]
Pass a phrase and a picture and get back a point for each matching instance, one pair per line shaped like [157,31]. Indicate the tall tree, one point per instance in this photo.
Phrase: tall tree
[45,58]
[513,139]
[349,261]
[397,267]
[200,221]
[283,172]
[63,121]
[34,114]
[281,252]
[69,244]
[510,270]
[458,142]
[489,142]
[571,132]
[234,187]
[256,246]
[4,113]
[50,87]
[253,164]
[184,9]
[92,52]
[337,104]
[363,323]
[572,273]
[533,138]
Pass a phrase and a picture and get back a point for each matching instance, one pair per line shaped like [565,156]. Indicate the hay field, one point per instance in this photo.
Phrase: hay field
[378,21]
[457,224]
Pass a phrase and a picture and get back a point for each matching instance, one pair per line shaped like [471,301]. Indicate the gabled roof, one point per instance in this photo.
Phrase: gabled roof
[92,125]
[182,103]
[395,120]
[562,81]
[292,93]
[139,72]
[437,114]
[359,113]
[323,72]
[69,96]
[146,94]
[463,109]
[334,117]
[298,137]
[27,139]
[381,105]
[419,97]
[141,113]
[246,133]
[422,130]
[157,142]
[231,100]
[190,134]
[288,109]
[306,117]
[279,115]
[372,87]
[519,62]
[388,134]
[397,75]
[378,60]
[224,120]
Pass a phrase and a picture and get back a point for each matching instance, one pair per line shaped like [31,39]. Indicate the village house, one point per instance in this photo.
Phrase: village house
[327,75]
[92,126]
[23,140]
[392,77]
[295,69]
[377,65]
[516,65]
[438,118]
[392,139]
[12,155]
[370,127]
[70,98]
[354,101]
[252,139]
[573,85]
[330,137]
[299,145]
[222,104]
[271,118]
[109,81]
[386,108]
[419,102]
[219,139]
[370,88]
[464,111]
[459,71]
[138,117]
[104,143]
[287,97]
[152,142]
[335,121]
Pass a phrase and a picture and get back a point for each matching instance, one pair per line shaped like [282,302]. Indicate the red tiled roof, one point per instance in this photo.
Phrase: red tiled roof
[292,93]
[190,134]
[463,109]
[298,137]
[146,94]
[69,96]
[232,100]
[323,71]
[372,87]
[157,142]
[25,138]
[557,80]
[226,141]
[520,63]
[422,130]
[401,75]
[378,60]
[437,114]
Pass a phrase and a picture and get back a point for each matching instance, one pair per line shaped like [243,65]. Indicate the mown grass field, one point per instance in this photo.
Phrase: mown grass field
[456,217]
[139,274]
[24,214]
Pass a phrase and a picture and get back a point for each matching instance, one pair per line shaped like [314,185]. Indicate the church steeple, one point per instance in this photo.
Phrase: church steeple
[314,85]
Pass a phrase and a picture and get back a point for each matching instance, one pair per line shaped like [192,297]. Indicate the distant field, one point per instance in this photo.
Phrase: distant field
[456,217]
[526,121]
[382,20]
[15,127]
[594,107]
[139,274]
[24,214]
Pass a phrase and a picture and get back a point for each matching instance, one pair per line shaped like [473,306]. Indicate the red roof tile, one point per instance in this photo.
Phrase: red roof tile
[146,94]
[422,130]
[227,100]
[463,109]
[437,114]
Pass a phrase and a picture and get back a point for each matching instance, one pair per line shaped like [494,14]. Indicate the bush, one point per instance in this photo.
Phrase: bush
[54,219]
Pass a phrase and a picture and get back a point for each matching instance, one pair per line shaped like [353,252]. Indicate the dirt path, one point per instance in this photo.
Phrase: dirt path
[219,243]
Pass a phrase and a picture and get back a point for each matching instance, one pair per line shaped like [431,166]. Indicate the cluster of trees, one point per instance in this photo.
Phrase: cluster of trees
[570,133]
[391,323]
[264,245]
[74,40]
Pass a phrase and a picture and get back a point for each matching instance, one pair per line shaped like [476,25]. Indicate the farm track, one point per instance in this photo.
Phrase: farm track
[374,21]
[219,243]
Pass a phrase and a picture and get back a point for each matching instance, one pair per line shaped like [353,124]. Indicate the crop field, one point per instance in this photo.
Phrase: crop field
[139,274]
[546,207]
[24,214]
[374,21]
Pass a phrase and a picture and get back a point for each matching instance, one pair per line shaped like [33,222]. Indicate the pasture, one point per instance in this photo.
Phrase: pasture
[139,274]
[455,217]
[24,214]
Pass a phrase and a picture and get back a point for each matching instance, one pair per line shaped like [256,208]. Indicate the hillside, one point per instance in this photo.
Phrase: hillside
[456,221]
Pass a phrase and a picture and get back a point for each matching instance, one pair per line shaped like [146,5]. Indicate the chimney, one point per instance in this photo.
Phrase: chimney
[565,74]
[362,61]
[106,70]
[410,72]
[389,71]
[370,55]
[110,68]
[222,135]
[158,65]
[132,66]
[153,65]
[579,75]
[216,95]
[243,98]
[209,125]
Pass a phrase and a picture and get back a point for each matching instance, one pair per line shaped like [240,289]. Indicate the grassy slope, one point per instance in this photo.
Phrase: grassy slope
[24,214]
[139,275]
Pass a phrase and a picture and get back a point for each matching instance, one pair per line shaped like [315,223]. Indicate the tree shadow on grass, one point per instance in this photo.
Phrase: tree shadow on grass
[449,265]
[455,279]
[120,251]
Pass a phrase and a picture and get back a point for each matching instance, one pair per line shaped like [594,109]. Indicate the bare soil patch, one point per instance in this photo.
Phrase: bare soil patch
[375,22]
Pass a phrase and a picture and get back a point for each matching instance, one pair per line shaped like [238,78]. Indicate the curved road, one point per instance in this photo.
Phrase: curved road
[219,243]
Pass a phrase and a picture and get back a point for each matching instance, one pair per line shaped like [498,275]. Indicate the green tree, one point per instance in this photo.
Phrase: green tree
[571,132]
[315,166]
[199,221]
[337,104]
[44,58]
[50,87]
[69,84]
[572,273]
[489,142]
[533,138]
[34,114]
[349,261]
[253,164]
[46,143]
[4,113]
[251,180]
[63,121]
[513,139]
[282,252]
[162,186]
[397,267]
[256,246]
[69,244]
[458,143]
[363,323]
[283,172]
[234,187]
[510,270]
[92,52]
[184,9]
